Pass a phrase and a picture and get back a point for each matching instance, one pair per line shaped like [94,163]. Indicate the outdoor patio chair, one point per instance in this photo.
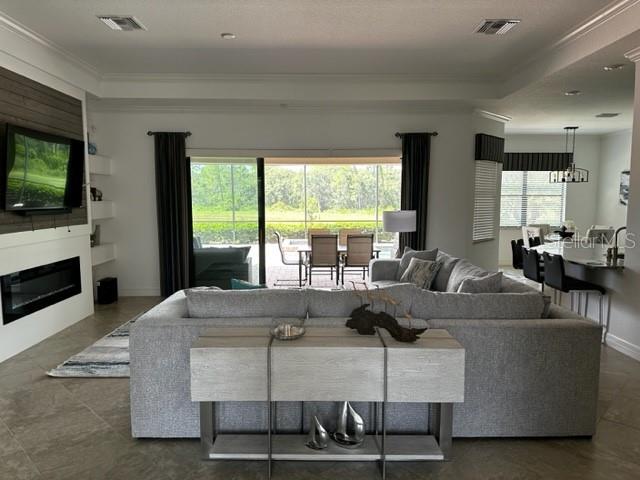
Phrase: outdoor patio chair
[359,253]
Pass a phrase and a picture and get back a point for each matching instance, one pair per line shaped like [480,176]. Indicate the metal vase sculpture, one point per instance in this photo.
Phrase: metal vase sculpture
[318,438]
[341,436]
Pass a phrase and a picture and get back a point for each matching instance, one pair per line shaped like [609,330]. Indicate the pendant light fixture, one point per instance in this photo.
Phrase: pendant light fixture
[572,174]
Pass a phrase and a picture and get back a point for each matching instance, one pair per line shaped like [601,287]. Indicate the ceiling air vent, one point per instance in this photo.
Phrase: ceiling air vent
[607,115]
[122,23]
[497,26]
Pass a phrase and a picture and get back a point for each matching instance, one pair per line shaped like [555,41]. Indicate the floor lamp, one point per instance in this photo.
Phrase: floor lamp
[399,221]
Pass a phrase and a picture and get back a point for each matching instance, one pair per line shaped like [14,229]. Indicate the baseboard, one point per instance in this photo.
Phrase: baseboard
[623,346]
[139,292]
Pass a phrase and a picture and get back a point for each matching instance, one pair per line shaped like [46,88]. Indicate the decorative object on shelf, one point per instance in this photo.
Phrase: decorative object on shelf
[365,321]
[318,438]
[572,174]
[95,236]
[624,187]
[342,436]
[288,328]
[96,194]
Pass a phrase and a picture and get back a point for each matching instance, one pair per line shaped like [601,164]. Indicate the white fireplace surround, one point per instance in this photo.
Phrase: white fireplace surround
[24,250]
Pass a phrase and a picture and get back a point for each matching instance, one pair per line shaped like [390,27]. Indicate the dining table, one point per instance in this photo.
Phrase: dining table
[305,249]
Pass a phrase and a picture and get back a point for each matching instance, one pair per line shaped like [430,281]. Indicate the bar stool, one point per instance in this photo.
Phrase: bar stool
[531,266]
[555,277]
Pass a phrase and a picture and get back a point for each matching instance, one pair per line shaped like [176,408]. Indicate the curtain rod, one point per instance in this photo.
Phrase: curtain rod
[186,134]
[431,134]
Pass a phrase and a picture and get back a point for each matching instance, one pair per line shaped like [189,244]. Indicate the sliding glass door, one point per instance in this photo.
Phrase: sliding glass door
[226,221]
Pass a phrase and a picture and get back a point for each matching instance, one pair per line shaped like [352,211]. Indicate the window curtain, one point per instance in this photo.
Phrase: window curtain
[415,187]
[173,194]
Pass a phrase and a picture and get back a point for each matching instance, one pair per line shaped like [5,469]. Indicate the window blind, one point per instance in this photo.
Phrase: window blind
[485,201]
[528,198]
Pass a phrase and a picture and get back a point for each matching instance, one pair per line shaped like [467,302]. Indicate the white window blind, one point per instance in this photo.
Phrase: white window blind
[485,202]
[528,198]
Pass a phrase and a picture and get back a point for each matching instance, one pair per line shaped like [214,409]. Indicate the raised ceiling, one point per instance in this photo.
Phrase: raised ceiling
[303,36]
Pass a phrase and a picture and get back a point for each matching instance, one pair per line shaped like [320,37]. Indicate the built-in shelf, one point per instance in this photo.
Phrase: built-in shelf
[99,165]
[103,253]
[103,209]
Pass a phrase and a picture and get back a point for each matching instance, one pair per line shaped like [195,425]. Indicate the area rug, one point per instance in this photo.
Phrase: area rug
[108,357]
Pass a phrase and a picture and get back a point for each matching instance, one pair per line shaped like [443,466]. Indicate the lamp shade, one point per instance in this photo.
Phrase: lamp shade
[399,221]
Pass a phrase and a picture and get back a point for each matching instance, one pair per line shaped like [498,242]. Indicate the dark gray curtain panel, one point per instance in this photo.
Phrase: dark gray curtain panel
[173,193]
[415,186]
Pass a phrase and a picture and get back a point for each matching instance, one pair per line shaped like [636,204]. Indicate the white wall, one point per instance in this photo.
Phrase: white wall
[29,249]
[615,156]
[122,135]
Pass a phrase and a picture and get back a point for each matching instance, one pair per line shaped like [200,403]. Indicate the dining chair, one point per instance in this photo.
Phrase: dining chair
[516,253]
[345,232]
[532,236]
[532,267]
[316,231]
[291,260]
[324,254]
[359,253]
[556,278]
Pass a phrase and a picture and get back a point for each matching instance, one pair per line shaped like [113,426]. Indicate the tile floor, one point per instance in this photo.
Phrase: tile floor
[79,429]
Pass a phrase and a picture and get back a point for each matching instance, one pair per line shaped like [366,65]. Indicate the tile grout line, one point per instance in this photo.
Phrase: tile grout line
[24,450]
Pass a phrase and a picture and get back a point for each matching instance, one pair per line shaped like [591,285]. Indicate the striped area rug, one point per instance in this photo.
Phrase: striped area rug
[108,357]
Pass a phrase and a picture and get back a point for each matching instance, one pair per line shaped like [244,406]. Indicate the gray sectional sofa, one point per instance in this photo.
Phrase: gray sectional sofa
[532,368]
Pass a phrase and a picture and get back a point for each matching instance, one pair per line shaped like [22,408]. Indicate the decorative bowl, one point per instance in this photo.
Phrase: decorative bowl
[287,331]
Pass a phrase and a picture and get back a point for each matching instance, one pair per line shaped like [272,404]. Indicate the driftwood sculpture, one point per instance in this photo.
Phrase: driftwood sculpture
[364,322]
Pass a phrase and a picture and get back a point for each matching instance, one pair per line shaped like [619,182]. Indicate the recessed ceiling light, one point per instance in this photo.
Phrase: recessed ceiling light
[615,66]
[228,36]
[122,23]
[572,93]
[607,115]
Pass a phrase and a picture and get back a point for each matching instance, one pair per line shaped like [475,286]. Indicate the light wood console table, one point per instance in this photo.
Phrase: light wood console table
[327,364]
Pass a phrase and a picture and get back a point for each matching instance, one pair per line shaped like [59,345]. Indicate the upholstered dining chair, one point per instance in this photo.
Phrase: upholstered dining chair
[532,268]
[324,254]
[359,254]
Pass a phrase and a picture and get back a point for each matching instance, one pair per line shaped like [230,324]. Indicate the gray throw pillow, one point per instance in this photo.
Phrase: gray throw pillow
[448,264]
[421,273]
[490,284]
[410,253]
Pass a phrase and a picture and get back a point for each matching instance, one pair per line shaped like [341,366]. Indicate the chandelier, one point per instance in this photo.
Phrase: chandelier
[572,174]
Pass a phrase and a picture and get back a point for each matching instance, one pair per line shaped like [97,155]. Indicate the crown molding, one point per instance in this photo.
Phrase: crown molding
[633,55]
[597,20]
[301,77]
[16,27]
[492,116]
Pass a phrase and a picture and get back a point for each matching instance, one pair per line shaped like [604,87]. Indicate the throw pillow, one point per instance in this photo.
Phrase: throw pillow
[421,273]
[490,284]
[410,253]
[242,285]
[448,264]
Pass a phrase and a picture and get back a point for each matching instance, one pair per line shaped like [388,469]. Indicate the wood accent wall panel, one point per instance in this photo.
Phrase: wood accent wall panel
[30,104]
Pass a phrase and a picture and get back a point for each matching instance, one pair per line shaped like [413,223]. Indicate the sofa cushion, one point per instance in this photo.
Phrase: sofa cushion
[491,283]
[246,303]
[421,273]
[509,285]
[429,304]
[442,278]
[340,303]
[410,253]
[461,270]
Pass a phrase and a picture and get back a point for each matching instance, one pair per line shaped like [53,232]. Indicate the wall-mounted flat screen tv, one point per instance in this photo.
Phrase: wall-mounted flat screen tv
[43,172]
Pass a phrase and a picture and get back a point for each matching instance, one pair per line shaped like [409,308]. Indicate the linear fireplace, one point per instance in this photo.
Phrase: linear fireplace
[28,291]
